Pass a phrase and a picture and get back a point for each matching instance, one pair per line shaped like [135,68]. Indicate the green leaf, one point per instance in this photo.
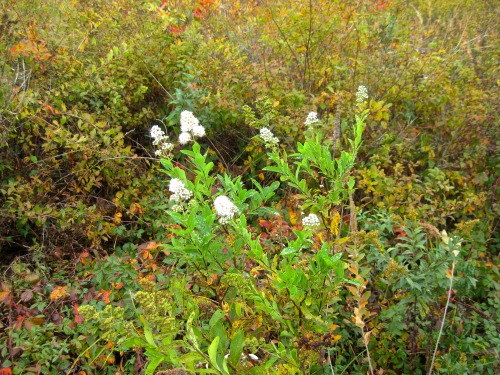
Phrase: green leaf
[236,347]
[288,251]
[354,282]
[189,330]
[216,317]
[134,342]
[148,333]
[212,352]
[155,359]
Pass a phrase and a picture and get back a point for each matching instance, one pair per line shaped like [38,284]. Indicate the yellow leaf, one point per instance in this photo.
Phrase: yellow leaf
[118,218]
[334,225]
[335,338]
[257,322]
[358,318]
[294,216]
[58,292]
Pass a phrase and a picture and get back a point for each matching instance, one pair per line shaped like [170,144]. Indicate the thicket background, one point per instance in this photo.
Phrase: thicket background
[82,82]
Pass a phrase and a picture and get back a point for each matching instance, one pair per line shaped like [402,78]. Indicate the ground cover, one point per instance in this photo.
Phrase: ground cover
[257,187]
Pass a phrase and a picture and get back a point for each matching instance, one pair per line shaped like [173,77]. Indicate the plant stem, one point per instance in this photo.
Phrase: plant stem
[365,341]
[444,317]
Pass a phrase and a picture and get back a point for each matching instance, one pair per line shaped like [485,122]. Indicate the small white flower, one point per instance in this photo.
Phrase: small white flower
[167,147]
[361,95]
[311,220]
[180,193]
[184,138]
[190,128]
[198,131]
[268,137]
[225,209]
[161,141]
[188,121]
[177,208]
[311,119]
[156,131]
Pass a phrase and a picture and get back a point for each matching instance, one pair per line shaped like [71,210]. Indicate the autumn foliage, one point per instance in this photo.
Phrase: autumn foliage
[100,275]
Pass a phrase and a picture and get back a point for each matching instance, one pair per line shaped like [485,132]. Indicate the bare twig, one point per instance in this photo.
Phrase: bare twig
[444,317]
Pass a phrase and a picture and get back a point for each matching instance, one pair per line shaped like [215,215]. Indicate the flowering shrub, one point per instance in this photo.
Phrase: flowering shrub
[232,264]
[311,220]
[255,245]
[225,209]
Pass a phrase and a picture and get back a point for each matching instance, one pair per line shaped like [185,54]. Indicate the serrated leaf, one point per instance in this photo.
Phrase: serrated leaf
[58,292]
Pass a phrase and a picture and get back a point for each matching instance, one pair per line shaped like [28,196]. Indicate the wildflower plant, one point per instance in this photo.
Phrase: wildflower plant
[161,141]
[190,128]
[361,95]
[226,210]
[211,239]
[232,287]
[268,138]
[311,119]
[311,221]
[213,236]
[324,183]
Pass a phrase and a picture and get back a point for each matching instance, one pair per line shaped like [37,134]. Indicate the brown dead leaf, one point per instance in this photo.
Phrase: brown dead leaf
[27,295]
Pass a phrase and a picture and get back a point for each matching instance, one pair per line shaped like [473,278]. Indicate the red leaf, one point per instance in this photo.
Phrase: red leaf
[5,371]
[78,318]
[265,224]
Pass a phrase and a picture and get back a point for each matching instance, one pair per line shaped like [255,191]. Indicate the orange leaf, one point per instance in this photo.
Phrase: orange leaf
[5,371]
[364,299]
[83,257]
[145,254]
[105,295]
[150,245]
[135,208]
[294,216]
[58,292]
[4,295]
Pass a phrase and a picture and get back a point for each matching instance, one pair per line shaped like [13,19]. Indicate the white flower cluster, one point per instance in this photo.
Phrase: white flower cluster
[311,220]
[361,95]
[180,193]
[311,119]
[268,137]
[225,209]
[190,128]
[160,139]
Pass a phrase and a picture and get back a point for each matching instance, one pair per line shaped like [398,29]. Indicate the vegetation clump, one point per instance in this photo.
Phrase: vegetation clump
[200,186]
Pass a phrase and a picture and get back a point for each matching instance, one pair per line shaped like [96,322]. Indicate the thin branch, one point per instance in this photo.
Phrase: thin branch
[444,317]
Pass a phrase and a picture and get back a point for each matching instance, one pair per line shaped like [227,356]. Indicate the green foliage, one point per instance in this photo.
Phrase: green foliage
[328,258]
